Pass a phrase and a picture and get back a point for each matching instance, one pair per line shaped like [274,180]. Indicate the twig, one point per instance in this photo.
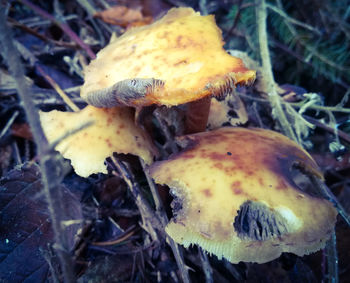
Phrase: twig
[9,124]
[120,239]
[321,107]
[157,201]
[63,26]
[332,198]
[208,271]
[203,7]
[241,7]
[343,135]
[56,87]
[70,133]
[332,258]
[169,137]
[163,217]
[44,38]
[151,222]
[49,163]
[291,20]
[274,98]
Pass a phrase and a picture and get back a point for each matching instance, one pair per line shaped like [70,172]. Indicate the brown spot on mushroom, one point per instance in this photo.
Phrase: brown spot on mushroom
[207,193]
[188,156]
[218,165]
[184,61]
[108,142]
[261,181]
[109,121]
[281,185]
[137,69]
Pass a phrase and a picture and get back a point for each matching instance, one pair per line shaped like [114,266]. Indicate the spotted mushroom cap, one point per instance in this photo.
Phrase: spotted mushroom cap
[177,59]
[113,130]
[235,196]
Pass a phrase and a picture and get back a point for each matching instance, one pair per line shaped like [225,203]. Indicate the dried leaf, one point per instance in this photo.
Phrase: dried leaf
[22,131]
[123,16]
[25,228]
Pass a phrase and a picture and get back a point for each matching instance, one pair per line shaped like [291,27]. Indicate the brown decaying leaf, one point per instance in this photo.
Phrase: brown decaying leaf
[123,16]
[25,228]
[21,131]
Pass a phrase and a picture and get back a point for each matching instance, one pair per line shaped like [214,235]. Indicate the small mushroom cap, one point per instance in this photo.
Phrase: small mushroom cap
[235,196]
[173,61]
[113,131]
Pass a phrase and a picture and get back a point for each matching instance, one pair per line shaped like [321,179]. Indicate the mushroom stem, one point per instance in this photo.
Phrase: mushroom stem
[197,115]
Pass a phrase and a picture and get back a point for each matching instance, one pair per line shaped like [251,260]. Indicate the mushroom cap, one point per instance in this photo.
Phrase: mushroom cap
[235,196]
[182,53]
[113,130]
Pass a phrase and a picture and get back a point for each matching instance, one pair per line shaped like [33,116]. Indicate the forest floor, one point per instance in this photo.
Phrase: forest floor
[113,223]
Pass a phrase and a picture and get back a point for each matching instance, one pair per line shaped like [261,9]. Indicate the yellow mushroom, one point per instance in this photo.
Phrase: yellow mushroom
[176,60]
[113,131]
[235,196]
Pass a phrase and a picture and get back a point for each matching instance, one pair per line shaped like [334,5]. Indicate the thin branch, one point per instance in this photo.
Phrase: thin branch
[321,107]
[42,37]
[163,217]
[332,198]
[207,269]
[343,135]
[49,163]
[58,89]
[63,26]
[274,98]
[9,124]
[332,258]
[151,223]
[291,20]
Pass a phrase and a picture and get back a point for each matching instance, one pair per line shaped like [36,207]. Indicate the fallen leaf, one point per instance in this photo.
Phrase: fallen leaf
[25,229]
[21,131]
[123,16]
